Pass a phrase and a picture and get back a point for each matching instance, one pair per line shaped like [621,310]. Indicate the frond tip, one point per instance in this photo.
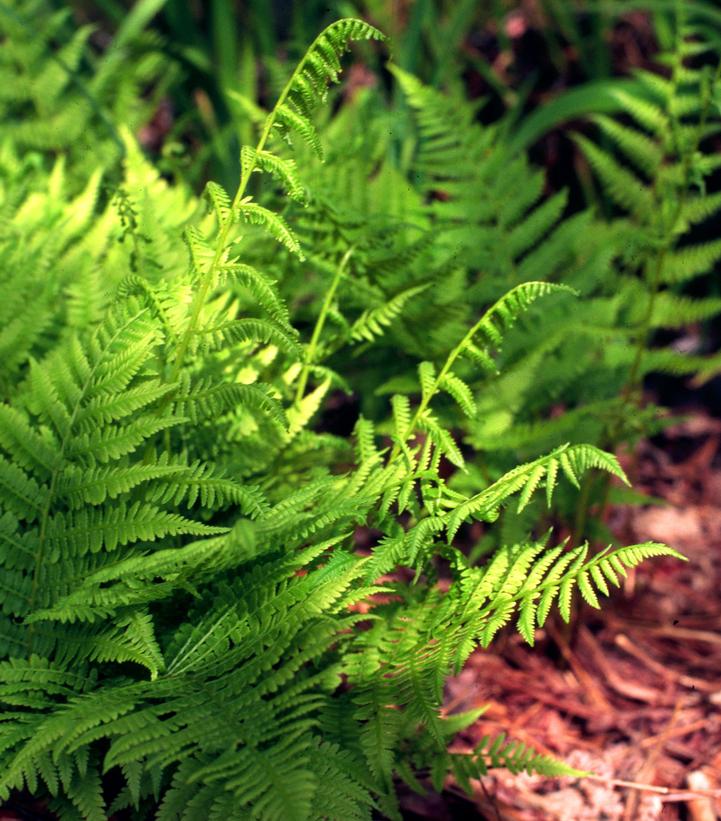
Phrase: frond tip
[529,579]
[319,67]
[573,460]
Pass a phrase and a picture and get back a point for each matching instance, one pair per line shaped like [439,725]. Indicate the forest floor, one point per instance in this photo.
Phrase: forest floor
[633,693]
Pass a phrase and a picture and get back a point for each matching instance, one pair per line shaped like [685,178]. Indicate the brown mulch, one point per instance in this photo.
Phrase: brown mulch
[632,693]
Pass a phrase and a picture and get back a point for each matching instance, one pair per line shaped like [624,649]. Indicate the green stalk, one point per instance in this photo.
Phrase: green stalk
[425,401]
[202,292]
[320,322]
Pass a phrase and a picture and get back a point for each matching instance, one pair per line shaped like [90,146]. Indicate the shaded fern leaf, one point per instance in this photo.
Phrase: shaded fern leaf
[373,320]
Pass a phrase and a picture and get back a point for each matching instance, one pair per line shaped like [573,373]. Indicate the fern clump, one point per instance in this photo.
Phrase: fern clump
[188,628]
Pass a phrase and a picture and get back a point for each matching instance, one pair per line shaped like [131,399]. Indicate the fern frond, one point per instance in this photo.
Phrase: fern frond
[373,320]
[637,147]
[529,579]
[573,460]
[622,186]
[687,262]
[259,331]
[220,201]
[319,67]
[283,170]
[462,394]
[204,398]
[506,311]
[513,756]
[276,226]
[262,288]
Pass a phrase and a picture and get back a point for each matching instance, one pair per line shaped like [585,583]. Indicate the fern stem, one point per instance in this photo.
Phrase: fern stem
[320,322]
[582,509]
[202,292]
[425,401]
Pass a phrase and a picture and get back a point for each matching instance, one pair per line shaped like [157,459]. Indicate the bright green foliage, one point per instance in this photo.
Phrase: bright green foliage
[51,101]
[184,604]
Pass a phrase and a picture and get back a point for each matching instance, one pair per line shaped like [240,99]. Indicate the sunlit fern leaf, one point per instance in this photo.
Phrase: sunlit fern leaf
[282,170]
[480,357]
[202,483]
[319,67]
[82,485]
[427,378]
[106,529]
[441,438]
[365,441]
[204,398]
[201,251]
[241,331]
[574,460]
[462,394]
[555,574]
[220,202]
[276,226]
[300,415]
[288,119]
[262,288]
[505,312]
[517,757]
[401,416]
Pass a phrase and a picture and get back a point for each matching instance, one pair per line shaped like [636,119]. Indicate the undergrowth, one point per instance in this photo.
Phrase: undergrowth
[190,626]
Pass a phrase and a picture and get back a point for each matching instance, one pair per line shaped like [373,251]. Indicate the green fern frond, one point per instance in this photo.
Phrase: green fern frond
[220,201]
[460,392]
[319,67]
[573,460]
[637,147]
[622,186]
[204,398]
[276,226]
[261,287]
[688,262]
[372,321]
[514,756]
[282,170]
[529,579]
[235,331]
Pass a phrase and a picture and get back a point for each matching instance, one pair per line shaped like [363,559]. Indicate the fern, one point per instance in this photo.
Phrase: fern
[54,103]
[529,579]
[671,119]
[184,602]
